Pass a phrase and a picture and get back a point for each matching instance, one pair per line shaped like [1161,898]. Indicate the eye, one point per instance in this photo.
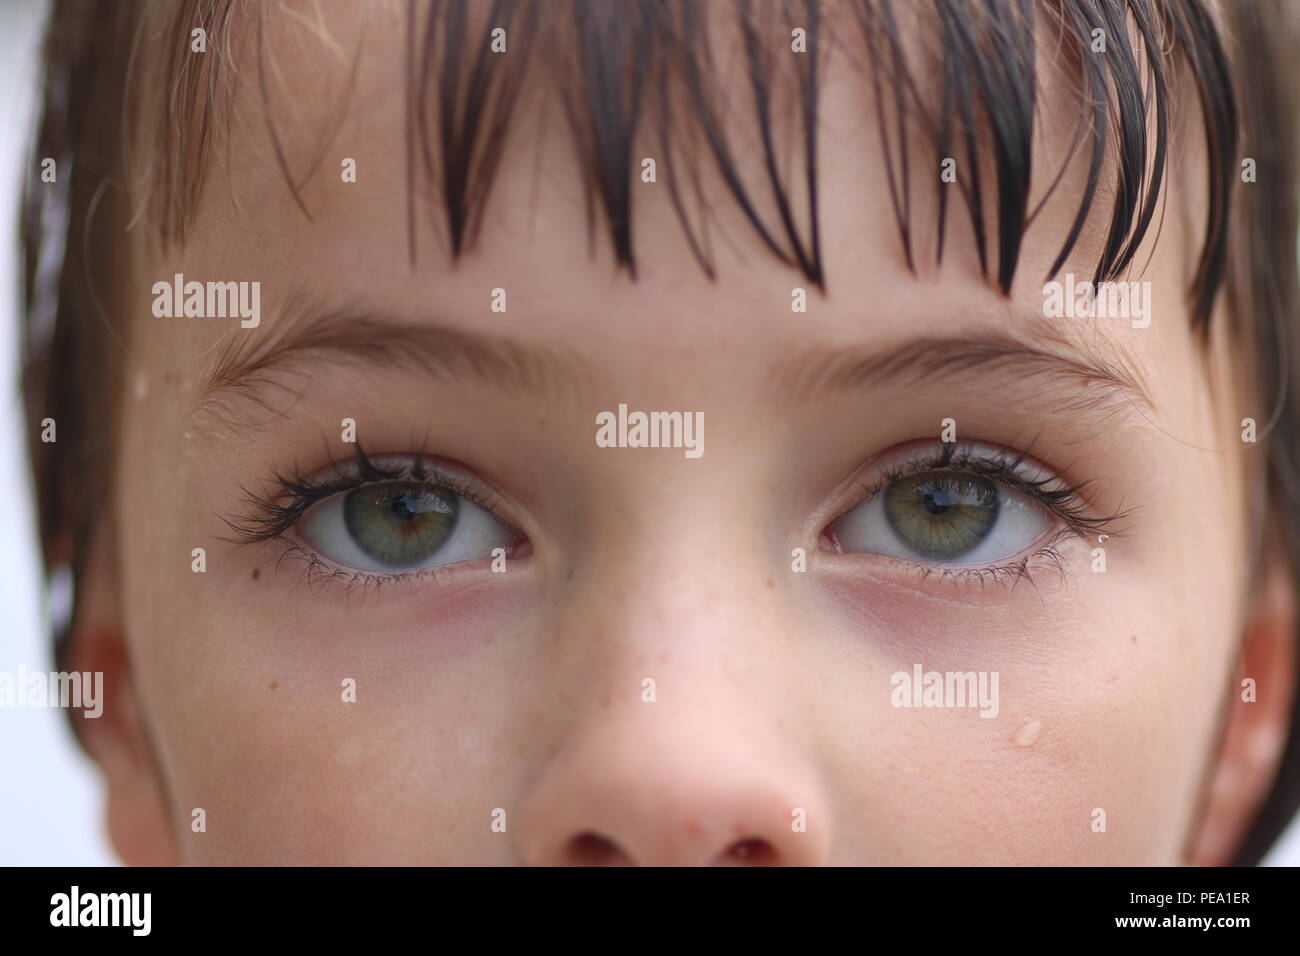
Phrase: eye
[402,526]
[944,516]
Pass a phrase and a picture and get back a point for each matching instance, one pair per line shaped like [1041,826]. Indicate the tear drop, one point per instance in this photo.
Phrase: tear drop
[1026,734]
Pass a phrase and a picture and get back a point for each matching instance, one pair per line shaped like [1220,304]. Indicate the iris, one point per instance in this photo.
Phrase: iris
[941,515]
[399,523]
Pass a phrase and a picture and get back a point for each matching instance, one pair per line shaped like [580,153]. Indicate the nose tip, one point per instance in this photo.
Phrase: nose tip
[592,849]
[586,811]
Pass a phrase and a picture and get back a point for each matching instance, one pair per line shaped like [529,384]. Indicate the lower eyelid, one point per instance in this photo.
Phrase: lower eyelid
[321,575]
[1048,562]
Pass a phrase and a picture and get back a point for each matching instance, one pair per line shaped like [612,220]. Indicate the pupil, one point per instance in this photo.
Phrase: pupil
[402,507]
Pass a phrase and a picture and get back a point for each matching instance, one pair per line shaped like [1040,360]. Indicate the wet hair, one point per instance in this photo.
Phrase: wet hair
[121,82]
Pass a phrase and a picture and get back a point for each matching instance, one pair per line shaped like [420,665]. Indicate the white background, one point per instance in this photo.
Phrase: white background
[51,799]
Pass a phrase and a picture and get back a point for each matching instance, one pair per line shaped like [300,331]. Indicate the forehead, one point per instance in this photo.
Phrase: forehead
[312,89]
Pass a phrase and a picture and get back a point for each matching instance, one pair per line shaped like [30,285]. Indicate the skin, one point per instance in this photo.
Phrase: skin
[523,691]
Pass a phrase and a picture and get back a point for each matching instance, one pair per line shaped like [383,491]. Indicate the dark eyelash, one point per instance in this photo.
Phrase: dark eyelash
[1014,573]
[1068,502]
[269,517]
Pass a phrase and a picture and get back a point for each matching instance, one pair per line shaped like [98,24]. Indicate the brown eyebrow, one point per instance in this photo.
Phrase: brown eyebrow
[493,361]
[244,365]
[1097,377]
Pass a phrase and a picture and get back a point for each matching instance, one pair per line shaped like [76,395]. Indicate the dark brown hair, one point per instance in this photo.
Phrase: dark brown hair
[645,67]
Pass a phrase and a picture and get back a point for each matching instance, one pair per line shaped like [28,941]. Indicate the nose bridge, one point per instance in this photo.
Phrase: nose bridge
[674,545]
[670,595]
[672,652]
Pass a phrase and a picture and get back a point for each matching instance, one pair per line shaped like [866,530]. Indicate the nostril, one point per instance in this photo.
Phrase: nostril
[753,851]
[592,849]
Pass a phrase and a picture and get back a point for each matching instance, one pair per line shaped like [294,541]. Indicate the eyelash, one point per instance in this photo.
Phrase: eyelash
[1068,502]
[270,519]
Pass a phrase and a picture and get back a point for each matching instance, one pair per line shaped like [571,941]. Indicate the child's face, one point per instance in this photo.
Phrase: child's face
[773,705]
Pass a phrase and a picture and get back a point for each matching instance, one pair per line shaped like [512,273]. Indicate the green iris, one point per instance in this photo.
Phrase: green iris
[400,524]
[941,515]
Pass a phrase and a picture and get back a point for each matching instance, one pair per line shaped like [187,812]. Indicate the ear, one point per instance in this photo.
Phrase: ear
[138,821]
[1256,732]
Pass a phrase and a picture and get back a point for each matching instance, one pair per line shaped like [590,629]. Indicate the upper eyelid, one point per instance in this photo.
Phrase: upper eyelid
[418,469]
[1072,506]
[955,457]
[352,474]
[996,467]
[369,469]
[268,517]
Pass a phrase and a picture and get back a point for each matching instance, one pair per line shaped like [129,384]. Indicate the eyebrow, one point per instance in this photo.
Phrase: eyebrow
[244,364]
[495,362]
[1098,378]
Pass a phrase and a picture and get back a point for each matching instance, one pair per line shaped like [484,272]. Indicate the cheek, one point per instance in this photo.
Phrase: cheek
[343,760]
[1107,693]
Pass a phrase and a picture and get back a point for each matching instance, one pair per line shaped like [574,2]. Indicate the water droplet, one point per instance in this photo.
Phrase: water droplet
[1027,733]
[141,387]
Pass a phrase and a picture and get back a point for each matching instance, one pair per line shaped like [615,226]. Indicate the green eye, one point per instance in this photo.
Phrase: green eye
[941,515]
[400,524]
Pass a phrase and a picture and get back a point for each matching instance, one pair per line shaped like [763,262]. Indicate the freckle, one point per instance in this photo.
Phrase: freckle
[256,574]
[694,828]
[1027,734]
[274,684]
[1133,639]
[770,584]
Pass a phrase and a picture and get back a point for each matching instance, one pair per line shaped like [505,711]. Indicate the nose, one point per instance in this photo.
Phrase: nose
[630,793]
